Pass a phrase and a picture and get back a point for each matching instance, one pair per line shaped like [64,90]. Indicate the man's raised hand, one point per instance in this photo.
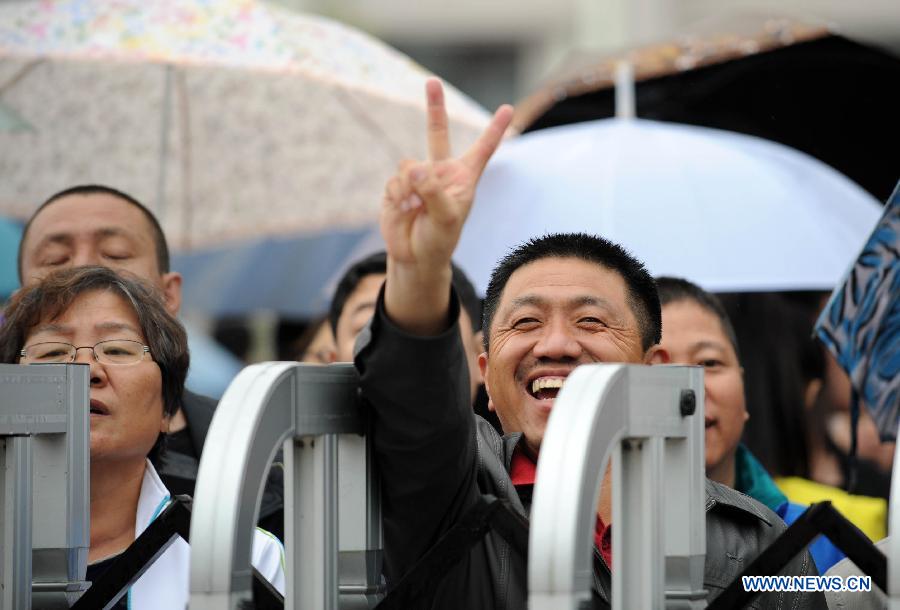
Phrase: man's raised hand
[427,202]
[425,206]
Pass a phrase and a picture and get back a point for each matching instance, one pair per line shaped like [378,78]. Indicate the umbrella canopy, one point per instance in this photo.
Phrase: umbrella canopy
[232,120]
[861,323]
[791,82]
[287,275]
[728,211]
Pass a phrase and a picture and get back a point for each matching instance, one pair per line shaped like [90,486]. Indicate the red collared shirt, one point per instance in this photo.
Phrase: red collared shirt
[523,470]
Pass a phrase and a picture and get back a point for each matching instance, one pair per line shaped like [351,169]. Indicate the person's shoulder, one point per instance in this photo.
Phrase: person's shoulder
[738,529]
[489,440]
[727,501]
[198,411]
[737,526]
[488,435]
[197,402]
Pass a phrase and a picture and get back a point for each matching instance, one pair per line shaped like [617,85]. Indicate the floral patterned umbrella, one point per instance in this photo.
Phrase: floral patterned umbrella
[232,119]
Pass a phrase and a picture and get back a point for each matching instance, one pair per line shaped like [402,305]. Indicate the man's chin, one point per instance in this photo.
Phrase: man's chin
[541,407]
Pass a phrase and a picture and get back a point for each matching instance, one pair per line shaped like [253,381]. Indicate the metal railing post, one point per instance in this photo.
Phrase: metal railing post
[649,421]
[44,484]
[313,412]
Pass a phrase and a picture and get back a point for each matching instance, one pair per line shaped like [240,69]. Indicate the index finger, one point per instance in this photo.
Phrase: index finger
[483,148]
[438,130]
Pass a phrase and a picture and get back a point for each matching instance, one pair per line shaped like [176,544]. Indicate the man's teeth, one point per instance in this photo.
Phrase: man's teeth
[545,383]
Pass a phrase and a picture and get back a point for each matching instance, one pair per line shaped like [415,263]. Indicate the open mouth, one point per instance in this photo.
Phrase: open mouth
[545,388]
[709,423]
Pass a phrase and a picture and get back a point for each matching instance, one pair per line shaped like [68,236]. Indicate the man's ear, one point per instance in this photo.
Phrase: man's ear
[657,355]
[171,287]
[478,341]
[484,366]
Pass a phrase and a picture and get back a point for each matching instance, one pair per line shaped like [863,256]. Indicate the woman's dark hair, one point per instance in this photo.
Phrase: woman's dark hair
[780,358]
[51,297]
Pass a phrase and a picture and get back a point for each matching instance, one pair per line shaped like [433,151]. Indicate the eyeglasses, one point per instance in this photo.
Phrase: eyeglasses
[113,351]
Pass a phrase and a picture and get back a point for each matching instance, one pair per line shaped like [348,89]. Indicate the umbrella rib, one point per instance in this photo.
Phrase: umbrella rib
[186,185]
[363,119]
[161,177]
[19,75]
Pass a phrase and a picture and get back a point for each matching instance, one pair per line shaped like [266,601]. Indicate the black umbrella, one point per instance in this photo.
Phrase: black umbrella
[818,92]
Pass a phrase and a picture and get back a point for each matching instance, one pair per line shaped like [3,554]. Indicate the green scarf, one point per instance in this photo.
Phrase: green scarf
[750,478]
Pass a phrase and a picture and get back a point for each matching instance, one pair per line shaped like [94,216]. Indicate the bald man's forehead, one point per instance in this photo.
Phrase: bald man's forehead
[66,211]
[89,229]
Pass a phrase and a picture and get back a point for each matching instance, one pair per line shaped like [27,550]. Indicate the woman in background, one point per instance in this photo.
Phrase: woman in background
[697,331]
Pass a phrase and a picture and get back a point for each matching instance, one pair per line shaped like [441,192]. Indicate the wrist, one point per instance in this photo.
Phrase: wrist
[417,297]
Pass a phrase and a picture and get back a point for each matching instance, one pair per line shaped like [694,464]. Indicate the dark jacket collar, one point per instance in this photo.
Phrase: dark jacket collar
[721,495]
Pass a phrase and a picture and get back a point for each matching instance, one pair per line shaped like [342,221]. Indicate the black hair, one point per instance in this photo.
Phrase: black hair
[642,297]
[780,358]
[674,290]
[159,238]
[375,264]
[468,297]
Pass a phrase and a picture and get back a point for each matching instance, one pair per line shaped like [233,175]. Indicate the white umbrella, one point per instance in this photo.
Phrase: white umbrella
[231,119]
[728,211]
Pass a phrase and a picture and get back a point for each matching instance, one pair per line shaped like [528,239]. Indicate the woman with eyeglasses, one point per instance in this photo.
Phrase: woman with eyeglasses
[138,358]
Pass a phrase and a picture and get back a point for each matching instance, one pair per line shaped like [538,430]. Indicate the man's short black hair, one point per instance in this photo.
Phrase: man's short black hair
[675,289]
[641,298]
[159,238]
[377,264]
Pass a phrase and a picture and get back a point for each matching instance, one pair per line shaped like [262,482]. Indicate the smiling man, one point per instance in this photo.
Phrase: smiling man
[552,304]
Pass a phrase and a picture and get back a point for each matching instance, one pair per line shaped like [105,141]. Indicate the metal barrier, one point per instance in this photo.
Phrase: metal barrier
[646,422]
[333,526]
[648,418]
[649,421]
[44,457]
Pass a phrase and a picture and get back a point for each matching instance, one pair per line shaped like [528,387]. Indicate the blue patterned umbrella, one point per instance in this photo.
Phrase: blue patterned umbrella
[861,323]
[10,234]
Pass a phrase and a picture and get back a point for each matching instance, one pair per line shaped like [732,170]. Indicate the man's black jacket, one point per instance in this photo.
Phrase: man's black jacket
[437,459]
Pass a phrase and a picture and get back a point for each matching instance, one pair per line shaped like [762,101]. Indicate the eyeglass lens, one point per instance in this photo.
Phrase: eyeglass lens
[116,351]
